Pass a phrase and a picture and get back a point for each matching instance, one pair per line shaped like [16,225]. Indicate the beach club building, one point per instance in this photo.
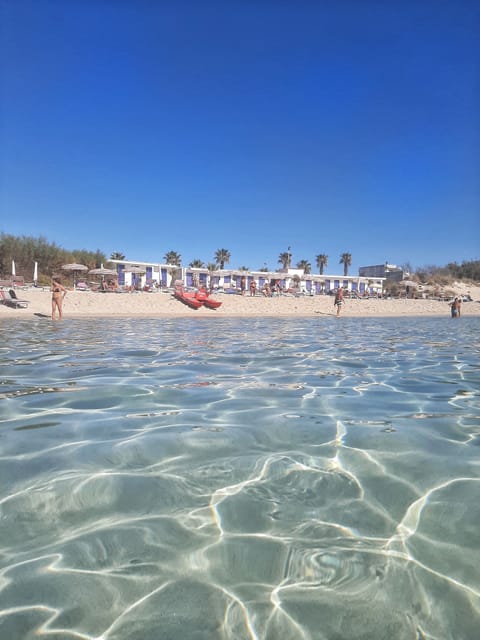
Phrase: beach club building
[390,272]
[229,280]
[140,274]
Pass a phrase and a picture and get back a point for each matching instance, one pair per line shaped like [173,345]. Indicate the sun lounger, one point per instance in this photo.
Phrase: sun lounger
[10,299]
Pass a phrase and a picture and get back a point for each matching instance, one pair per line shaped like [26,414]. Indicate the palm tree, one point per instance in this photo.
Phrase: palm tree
[222,256]
[305,265]
[116,255]
[196,264]
[322,261]
[296,280]
[243,269]
[173,272]
[172,257]
[211,266]
[284,259]
[346,260]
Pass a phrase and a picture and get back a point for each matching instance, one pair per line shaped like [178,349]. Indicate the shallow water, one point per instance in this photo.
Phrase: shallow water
[245,479]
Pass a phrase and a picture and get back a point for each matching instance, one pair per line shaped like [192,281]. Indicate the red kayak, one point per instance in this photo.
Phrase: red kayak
[188,298]
[195,299]
[210,303]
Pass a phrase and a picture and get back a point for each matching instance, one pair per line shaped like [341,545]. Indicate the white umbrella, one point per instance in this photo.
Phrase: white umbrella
[102,272]
[13,268]
[35,273]
[74,267]
[135,270]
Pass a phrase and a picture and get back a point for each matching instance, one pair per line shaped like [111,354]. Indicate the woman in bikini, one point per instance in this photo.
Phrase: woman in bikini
[58,294]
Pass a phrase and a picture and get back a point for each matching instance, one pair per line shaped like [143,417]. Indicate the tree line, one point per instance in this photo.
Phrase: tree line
[466,270]
[25,251]
[223,257]
[50,258]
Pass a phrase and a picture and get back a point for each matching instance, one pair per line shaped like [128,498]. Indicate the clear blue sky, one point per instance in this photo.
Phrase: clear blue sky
[250,125]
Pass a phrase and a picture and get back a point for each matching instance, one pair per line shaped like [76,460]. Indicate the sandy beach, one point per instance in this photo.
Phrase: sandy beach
[162,304]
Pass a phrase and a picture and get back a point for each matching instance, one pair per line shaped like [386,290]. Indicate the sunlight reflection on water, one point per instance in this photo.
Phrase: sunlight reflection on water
[254,478]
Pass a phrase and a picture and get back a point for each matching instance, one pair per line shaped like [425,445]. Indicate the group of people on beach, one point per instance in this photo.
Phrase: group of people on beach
[268,288]
[455,305]
[59,292]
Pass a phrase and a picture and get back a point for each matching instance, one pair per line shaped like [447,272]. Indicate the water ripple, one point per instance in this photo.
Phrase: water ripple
[243,479]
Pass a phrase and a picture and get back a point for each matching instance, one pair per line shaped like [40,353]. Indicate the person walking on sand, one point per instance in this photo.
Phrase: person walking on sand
[58,294]
[339,300]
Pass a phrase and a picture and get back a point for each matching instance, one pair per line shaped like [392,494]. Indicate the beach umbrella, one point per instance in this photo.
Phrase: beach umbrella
[102,272]
[409,287]
[35,273]
[74,268]
[13,268]
[135,271]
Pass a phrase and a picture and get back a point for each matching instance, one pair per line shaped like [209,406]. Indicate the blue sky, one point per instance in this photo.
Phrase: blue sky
[144,127]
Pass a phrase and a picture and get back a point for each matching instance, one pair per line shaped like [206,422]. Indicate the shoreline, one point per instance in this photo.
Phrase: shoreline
[87,304]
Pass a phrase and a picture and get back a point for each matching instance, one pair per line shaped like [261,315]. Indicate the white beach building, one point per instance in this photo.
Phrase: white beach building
[140,274]
[289,279]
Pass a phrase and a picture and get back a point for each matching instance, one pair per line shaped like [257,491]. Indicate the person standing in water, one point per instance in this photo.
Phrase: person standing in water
[58,294]
[455,307]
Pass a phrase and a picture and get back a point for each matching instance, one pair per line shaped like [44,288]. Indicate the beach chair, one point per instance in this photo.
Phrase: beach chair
[18,281]
[10,299]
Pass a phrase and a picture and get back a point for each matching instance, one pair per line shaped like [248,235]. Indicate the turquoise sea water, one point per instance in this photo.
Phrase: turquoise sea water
[274,479]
